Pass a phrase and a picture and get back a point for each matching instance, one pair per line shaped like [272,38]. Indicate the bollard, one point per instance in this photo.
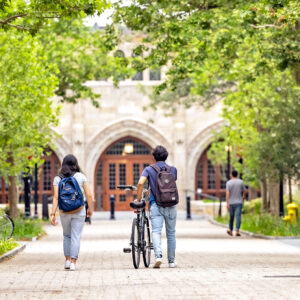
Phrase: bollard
[112,199]
[220,208]
[188,208]
[45,207]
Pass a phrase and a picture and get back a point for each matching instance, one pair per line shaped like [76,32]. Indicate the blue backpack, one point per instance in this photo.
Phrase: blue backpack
[70,196]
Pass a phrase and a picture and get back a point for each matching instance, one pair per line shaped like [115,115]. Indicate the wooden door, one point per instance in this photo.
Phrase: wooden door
[114,169]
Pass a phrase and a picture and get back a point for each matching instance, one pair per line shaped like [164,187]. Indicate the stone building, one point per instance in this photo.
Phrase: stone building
[102,140]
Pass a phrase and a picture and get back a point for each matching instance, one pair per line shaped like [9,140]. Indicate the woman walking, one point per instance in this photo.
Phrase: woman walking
[72,220]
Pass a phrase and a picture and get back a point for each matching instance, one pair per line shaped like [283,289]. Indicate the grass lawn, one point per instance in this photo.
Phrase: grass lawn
[6,246]
[254,221]
[26,229]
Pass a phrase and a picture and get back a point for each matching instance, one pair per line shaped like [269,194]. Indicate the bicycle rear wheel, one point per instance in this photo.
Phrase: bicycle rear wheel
[135,247]
[6,227]
[147,242]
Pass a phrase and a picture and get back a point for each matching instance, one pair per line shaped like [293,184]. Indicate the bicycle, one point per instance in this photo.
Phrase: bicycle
[140,240]
[6,227]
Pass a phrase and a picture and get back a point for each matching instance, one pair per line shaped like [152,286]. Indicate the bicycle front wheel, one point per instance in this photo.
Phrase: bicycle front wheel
[147,243]
[135,247]
[6,227]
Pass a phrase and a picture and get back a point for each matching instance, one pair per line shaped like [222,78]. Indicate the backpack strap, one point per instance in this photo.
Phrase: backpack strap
[158,169]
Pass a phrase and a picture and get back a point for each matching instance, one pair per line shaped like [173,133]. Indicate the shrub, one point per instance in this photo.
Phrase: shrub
[26,229]
[254,221]
[6,246]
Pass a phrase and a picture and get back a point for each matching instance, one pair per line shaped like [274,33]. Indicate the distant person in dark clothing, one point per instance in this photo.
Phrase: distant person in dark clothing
[235,196]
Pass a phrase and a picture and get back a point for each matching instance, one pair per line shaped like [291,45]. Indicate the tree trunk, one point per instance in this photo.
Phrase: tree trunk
[264,204]
[13,197]
[290,189]
[297,64]
[252,193]
[274,197]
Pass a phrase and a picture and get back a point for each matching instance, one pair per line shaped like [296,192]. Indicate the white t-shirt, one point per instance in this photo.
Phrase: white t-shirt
[81,179]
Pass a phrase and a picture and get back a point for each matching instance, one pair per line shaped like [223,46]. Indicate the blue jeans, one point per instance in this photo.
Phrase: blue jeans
[72,228]
[235,209]
[158,215]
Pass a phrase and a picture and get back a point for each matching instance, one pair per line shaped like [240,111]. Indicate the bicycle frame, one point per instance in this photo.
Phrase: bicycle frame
[140,240]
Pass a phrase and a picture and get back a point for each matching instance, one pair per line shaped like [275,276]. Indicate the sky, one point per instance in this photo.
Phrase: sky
[104,19]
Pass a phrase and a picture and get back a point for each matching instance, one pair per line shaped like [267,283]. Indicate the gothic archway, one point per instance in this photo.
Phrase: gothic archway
[118,166]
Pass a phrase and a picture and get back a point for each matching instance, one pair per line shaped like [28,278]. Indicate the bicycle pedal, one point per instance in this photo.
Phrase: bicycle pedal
[126,250]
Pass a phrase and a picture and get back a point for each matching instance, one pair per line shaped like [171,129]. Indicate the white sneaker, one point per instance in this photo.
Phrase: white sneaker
[72,267]
[158,262]
[172,265]
[67,264]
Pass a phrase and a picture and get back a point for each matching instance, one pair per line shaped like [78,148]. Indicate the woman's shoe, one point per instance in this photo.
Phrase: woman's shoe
[72,267]
[67,264]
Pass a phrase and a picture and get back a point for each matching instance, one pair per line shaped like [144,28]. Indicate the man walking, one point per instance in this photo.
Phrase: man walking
[163,200]
[235,196]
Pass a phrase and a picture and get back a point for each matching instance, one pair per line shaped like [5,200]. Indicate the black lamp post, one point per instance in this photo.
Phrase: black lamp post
[228,149]
[27,178]
[35,191]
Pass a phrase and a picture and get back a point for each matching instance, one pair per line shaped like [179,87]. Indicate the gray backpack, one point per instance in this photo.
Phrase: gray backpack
[166,193]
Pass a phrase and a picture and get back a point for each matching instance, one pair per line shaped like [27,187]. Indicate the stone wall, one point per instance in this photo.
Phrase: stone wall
[87,131]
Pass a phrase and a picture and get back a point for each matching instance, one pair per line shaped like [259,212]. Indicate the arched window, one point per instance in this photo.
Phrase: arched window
[46,174]
[155,74]
[138,76]
[209,178]
[119,53]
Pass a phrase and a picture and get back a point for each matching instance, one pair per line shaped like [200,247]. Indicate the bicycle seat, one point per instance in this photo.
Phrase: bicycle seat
[137,205]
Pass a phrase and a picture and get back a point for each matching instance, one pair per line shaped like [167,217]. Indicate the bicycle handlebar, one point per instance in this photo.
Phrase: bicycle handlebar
[127,187]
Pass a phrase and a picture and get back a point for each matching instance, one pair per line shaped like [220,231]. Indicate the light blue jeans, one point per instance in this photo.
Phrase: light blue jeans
[158,215]
[72,228]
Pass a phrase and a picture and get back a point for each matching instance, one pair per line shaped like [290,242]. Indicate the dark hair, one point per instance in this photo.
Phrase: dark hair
[69,166]
[234,173]
[160,153]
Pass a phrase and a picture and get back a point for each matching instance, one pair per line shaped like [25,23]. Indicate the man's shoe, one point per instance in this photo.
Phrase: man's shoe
[158,262]
[237,234]
[67,264]
[229,232]
[72,267]
[173,265]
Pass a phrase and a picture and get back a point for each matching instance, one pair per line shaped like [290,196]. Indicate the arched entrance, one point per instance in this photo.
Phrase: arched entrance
[121,163]
[209,178]
[45,179]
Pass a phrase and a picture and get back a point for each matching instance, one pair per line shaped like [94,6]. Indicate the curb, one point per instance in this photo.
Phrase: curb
[256,235]
[12,252]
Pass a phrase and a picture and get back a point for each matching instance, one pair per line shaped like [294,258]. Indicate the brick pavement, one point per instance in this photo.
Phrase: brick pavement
[211,266]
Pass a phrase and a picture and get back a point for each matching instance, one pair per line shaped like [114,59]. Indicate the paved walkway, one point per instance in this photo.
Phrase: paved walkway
[211,266]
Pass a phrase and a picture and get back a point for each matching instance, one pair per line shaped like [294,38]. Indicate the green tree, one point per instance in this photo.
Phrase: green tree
[32,15]
[81,55]
[242,51]
[27,113]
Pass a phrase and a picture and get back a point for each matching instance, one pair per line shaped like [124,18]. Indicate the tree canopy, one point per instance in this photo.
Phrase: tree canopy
[244,52]
[32,15]
[81,54]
